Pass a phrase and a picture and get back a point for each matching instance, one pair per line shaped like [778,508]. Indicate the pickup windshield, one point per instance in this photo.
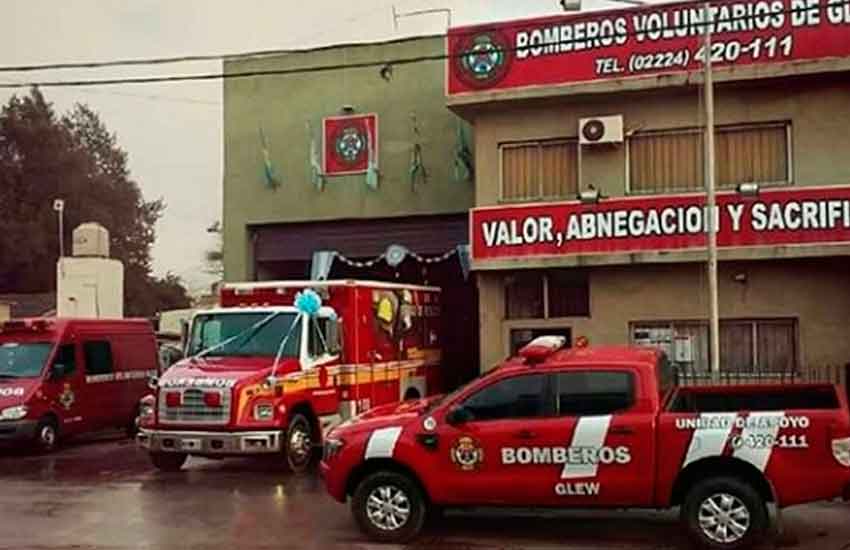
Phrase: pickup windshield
[23,360]
[249,334]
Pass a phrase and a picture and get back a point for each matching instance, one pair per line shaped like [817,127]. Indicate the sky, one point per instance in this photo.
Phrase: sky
[173,132]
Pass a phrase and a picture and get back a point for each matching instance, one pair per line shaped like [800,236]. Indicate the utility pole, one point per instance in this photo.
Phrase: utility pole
[59,207]
[711,198]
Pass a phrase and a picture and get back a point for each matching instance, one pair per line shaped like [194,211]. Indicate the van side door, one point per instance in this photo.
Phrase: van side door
[100,381]
[66,389]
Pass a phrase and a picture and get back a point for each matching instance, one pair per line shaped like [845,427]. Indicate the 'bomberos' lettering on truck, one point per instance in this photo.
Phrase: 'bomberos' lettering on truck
[279,363]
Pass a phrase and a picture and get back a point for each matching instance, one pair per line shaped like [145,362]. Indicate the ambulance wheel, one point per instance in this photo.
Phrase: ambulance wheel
[168,462]
[724,513]
[46,435]
[299,444]
[389,507]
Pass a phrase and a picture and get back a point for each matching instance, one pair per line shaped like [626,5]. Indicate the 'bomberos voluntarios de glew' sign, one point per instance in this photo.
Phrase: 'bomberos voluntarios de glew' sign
[643,41]
[678,222]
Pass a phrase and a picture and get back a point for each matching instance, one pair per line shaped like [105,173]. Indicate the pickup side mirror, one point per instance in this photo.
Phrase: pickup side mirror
[458,415]
[153,382]
[59,371]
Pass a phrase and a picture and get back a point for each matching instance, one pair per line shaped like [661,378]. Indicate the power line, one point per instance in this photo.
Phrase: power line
[309,69]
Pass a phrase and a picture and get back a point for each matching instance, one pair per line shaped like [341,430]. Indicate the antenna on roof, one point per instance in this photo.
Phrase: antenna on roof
[397,15]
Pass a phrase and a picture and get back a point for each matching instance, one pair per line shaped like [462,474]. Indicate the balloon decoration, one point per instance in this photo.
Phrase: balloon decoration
[308,302]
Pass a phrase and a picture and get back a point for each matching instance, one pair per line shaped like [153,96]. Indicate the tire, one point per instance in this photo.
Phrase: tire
[168,462]
[298,446]
[46,435]
[730,501]
[132,427]
[391,487]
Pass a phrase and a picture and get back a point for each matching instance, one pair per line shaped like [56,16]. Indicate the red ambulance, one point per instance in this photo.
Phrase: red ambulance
[65,377]
[604,428]
[263,377]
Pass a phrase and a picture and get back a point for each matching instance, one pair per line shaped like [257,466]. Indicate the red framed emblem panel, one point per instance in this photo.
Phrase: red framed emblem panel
[349,142]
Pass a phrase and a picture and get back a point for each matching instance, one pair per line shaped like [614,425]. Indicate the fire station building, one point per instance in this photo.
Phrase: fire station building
[589,216]
[357,173]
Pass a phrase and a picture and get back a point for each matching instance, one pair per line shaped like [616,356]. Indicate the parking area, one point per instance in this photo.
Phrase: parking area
[102,494]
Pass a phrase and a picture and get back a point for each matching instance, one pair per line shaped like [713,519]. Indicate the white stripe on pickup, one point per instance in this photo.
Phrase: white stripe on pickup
[759,454]
[382,442]
[707,442]
[590,432]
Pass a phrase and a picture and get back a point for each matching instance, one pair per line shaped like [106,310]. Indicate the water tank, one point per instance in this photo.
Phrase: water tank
[91,240]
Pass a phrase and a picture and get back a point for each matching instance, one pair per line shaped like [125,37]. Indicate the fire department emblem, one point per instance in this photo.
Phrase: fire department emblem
[483,59]
[67,398]
[467,454]
[350,144]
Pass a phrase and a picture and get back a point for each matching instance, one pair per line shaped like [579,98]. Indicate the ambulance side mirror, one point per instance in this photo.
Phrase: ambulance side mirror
[59,371]
[458,415]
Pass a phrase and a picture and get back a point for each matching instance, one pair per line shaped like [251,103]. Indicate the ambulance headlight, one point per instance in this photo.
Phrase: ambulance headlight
[14,413]
[146,410]
[263,411]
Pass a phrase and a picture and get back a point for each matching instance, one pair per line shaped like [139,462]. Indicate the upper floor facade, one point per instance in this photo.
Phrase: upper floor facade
[282,125]
[782,104]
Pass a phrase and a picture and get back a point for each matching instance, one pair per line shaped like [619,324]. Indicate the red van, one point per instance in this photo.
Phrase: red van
[65,377]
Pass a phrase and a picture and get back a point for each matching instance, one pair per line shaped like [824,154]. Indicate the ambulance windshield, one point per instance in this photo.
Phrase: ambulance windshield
[23,360]
[245,334]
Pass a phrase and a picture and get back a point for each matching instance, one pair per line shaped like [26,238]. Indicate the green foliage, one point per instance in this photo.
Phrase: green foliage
[74,157]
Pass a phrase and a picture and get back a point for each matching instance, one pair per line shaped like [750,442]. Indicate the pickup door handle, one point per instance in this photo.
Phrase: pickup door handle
[621,430]
[525,434]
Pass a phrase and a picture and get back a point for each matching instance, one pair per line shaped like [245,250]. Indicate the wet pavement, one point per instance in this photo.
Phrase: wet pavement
[104,495]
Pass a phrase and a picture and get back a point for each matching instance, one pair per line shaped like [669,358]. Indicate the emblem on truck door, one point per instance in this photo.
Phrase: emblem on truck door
[467,453]
[67,398]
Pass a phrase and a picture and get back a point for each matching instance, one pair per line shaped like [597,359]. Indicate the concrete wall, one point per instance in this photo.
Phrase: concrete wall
[817,107]
[285,104]
[815,291]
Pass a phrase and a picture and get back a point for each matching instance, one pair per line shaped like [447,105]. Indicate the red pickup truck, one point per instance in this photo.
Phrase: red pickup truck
[603,427]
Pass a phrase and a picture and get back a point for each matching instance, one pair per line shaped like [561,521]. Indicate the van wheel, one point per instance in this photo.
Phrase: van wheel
[724,513]
[389,507]
[168,462]
[298,445]
[46,435]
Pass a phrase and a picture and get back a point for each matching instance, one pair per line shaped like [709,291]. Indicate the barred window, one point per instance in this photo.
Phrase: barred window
[669,161]
[539,170]
[547,294]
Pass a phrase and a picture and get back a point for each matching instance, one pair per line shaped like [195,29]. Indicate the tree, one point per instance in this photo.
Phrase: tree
[76,158]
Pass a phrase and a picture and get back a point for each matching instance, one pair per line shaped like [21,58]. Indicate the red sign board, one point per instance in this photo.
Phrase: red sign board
[645,41]
[350,143]
[678,222]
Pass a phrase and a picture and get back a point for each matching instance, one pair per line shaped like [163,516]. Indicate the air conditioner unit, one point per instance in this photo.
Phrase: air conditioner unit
[600,129]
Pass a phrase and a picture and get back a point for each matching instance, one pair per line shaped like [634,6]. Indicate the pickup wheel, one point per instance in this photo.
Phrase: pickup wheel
[724,513]
[169,462]
[298,445]
[389,507]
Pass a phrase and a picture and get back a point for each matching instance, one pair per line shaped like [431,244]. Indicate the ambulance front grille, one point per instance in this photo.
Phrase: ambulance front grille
[193,410]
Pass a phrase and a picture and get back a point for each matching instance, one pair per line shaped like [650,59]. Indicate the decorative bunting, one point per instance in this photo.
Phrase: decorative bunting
[316,174]
[383,257]
[271,178]
[464,164]
[322,262]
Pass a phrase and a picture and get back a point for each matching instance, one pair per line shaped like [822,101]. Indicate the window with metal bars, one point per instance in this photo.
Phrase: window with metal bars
[538,170]
[672,160]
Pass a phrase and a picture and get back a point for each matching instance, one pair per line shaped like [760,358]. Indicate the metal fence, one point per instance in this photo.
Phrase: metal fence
[830,374]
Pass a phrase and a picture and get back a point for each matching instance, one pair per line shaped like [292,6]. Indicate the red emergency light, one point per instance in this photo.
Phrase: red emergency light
[173,399]
[212,399]
[541,347]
